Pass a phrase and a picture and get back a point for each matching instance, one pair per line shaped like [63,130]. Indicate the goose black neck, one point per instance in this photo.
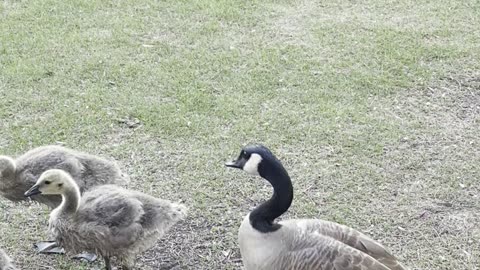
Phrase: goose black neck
[262,218]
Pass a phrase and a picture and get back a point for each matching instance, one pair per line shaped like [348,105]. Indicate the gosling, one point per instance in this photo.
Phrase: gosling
[17,176]
[108,220]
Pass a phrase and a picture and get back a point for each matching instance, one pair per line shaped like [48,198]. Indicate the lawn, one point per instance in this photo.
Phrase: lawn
[373,107]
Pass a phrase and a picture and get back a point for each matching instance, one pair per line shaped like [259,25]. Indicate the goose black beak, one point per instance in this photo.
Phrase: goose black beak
[33,191]
[232,164]
[238,163]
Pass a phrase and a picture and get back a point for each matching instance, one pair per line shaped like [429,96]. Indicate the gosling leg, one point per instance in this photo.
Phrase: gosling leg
[127,267]
[128,264]
[108,266]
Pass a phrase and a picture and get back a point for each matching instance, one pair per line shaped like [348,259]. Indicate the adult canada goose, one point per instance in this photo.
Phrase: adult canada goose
[17,176]
[305,244]
[5,261]
[108,220]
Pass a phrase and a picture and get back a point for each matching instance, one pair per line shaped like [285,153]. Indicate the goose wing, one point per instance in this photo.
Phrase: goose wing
[111,206]
[313,251]
[352,238]
[110,213]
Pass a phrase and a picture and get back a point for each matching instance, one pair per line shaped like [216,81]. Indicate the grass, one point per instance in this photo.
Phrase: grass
[372,106]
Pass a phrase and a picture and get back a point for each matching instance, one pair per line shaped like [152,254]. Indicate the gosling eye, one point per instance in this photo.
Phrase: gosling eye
[60,185]
[48,182]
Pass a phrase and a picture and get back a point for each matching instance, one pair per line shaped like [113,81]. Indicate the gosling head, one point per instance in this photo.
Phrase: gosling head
[7,167]
[256,160]
[51,182]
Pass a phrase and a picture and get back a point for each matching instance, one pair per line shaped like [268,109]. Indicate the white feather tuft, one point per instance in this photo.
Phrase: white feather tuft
[251,166]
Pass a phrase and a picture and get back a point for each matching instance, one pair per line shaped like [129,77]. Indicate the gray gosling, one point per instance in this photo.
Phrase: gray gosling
[6,262]
[108,220]
[307,244]
[17,176]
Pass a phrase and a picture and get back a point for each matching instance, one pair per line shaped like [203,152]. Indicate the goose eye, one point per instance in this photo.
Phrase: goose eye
[60,185]
[47,182]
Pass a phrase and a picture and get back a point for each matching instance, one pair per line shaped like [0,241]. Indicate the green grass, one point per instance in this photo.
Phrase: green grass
[372,106]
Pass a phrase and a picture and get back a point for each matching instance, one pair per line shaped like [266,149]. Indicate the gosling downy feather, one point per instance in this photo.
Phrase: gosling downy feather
[108,220]
[17,176]
[299,243]
[5,261]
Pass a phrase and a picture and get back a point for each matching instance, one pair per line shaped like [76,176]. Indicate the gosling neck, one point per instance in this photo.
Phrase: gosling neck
[262,217]
[70,201]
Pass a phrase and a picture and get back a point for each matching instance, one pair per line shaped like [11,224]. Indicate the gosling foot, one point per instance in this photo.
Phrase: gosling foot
[49,247]
[89,257]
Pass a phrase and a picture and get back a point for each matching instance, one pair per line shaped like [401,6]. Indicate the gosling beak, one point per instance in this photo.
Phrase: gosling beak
[33,191]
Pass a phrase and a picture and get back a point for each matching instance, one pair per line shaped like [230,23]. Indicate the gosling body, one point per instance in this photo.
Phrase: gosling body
[108,220]
[17,176]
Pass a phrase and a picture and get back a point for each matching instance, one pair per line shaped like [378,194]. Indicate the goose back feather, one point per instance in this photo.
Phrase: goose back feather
[347,236]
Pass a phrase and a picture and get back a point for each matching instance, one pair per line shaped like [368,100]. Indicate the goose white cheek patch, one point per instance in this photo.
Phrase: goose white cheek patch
[251,166]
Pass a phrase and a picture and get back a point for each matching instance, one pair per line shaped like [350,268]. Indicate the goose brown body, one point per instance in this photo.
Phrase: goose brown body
[17,176]
[306,244]
[313,244]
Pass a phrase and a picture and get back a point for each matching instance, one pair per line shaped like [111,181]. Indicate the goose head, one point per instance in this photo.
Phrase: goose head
[257,160]
[7,166]
[51,182]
